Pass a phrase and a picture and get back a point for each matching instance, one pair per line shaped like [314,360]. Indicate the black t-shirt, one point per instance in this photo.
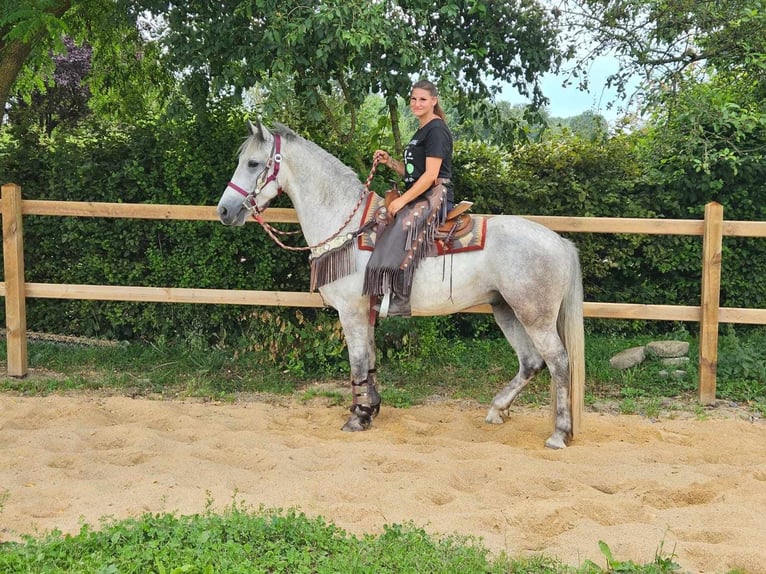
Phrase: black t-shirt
[432,140]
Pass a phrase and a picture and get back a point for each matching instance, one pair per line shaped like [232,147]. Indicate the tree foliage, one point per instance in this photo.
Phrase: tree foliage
[26,29]
[64,101]
[40,38]
[354,48]
[662,42]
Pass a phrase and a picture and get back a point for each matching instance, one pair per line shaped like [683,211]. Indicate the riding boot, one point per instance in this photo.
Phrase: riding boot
[399,306]
[392,305]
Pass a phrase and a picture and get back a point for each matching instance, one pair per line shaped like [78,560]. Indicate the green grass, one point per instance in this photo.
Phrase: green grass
[242,541]
[145,369]
[413,369]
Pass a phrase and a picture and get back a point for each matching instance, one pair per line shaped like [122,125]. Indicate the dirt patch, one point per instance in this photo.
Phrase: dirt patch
[693,487]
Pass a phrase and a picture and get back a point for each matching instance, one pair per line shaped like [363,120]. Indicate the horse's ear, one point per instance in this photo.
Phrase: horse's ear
[258,130]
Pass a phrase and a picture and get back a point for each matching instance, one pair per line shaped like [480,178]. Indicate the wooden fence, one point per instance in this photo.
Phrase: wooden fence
[709,314]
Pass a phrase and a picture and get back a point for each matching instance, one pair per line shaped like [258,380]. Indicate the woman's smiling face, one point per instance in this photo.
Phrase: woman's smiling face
[422,102]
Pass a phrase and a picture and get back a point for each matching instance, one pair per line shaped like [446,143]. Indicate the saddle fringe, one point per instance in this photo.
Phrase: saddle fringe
[332,265]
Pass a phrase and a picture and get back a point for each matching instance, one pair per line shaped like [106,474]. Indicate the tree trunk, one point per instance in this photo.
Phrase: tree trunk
[14,53]
[12,59]
[393,114]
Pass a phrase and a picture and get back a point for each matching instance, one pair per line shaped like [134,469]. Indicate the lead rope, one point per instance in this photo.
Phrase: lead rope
[272,231]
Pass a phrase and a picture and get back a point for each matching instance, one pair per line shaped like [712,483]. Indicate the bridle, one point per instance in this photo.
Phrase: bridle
[265,178]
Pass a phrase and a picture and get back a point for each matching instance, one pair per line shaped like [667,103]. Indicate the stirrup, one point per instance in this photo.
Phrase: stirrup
[385,303]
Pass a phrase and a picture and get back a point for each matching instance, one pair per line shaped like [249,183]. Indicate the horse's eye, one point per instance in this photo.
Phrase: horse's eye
[252,164]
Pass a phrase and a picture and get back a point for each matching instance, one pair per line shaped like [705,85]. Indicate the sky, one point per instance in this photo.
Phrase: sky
[569,101]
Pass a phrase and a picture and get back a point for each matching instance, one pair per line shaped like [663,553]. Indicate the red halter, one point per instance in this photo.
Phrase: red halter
[250,203]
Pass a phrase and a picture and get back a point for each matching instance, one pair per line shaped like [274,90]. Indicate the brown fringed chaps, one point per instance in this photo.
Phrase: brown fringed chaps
[402,244]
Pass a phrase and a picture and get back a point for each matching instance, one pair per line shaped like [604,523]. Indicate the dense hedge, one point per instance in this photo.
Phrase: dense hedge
[172,162]
[189,162]
[614,178]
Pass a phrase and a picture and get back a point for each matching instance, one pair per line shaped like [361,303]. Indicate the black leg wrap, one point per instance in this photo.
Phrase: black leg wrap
[373,392]
[366,399]
[365,406]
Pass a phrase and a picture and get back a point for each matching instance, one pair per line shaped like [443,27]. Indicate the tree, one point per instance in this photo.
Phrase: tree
[65,101]
[664,42]
[26,28]
[703,65]
[124,75]
[351,48]
[588,125]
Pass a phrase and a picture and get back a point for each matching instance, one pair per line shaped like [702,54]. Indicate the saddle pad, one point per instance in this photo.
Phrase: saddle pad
[473,241]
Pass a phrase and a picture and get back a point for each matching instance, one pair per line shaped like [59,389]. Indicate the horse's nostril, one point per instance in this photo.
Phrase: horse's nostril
[222,211]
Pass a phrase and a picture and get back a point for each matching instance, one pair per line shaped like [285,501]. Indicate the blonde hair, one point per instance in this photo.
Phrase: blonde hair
[431,88]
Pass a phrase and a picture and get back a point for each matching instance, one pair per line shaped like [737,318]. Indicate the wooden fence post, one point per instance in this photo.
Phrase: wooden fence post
[711,295]
[15,296]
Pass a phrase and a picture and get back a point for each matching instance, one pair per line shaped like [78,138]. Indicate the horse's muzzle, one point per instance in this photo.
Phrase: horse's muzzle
[231,217]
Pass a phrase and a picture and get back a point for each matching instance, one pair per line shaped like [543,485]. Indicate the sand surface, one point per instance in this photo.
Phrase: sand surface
[693,487]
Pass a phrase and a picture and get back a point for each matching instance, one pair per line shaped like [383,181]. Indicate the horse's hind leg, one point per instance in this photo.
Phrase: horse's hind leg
[554,353]
[360,335]
[530,361]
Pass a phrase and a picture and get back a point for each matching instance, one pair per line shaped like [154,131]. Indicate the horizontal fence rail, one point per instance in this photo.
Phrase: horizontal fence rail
[709,314]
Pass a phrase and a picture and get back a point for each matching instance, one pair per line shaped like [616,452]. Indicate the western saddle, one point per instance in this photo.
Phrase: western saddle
[457,224]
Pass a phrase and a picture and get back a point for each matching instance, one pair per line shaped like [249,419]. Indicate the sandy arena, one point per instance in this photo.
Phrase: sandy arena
[693,487]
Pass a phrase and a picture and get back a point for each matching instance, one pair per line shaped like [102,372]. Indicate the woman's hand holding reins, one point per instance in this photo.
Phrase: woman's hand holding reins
[382,156]
[385,158]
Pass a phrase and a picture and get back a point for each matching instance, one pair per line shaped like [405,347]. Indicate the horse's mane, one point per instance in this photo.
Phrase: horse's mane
[326,166]
[329,163]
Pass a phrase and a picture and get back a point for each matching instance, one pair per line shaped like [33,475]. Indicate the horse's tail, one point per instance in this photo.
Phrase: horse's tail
[572,333]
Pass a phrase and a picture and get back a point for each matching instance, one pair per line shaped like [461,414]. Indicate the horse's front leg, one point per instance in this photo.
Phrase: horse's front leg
[360,340]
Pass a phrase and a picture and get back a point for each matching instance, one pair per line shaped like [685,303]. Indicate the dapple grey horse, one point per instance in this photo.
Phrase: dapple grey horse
[528,274]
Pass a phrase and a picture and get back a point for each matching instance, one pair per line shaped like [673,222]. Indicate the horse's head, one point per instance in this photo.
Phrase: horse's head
[256,181]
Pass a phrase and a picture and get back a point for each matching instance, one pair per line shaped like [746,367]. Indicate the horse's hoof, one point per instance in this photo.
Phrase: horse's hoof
[357,423]
[494,417]
[555,442]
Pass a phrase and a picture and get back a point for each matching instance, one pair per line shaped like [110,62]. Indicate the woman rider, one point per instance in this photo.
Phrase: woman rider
[428,195]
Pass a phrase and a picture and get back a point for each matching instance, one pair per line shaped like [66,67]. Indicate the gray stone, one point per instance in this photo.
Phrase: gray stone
[673,374]
[675,361]
[628,358]
[667,348]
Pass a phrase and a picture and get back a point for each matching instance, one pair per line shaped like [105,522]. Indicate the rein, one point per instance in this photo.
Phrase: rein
[251,205]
